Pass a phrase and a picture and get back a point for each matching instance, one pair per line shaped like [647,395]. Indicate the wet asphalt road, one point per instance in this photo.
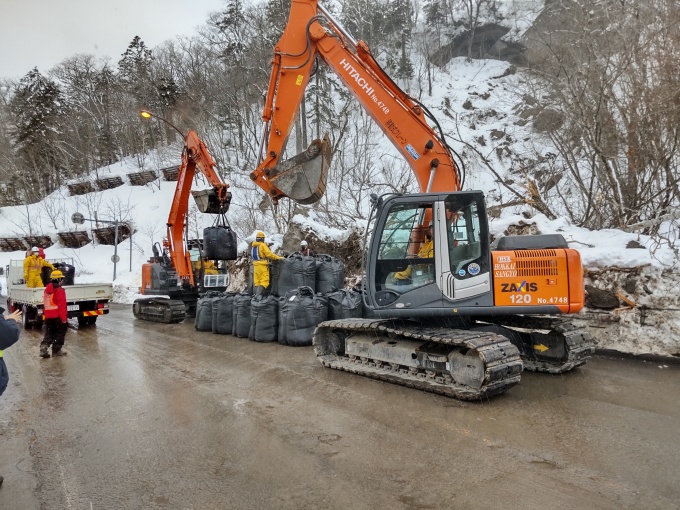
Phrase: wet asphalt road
[144,416]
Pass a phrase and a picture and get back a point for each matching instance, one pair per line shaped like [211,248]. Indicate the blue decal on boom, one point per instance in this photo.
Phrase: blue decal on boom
[409,148]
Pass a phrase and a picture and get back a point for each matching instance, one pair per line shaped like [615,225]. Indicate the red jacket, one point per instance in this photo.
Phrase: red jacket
[54,303]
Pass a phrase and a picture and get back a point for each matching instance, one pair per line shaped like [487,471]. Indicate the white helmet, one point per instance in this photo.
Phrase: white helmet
[303,243]
[35,249]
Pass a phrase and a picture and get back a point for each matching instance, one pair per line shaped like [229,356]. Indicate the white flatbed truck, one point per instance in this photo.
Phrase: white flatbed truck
[85,301]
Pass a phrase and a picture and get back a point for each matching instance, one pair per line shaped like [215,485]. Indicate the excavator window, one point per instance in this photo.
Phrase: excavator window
[466,231]
[405,253]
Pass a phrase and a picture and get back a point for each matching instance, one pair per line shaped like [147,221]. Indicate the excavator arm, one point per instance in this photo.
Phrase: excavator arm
[214,201]
[312,32]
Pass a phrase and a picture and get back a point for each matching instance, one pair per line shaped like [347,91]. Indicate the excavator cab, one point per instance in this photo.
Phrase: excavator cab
[408,273]
[303,177]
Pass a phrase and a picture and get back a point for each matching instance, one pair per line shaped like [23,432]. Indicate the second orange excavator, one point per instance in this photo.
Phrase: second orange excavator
[170,272]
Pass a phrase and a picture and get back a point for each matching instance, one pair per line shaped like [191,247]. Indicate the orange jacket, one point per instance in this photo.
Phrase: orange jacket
[54,303]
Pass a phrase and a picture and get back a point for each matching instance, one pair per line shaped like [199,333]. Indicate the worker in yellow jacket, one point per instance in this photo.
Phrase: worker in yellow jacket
[261,255]
[426,252]
[33,267]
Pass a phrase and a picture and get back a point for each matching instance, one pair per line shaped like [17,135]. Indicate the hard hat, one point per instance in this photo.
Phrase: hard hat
[260,235]
[303,243]
[56,275]
[35,249]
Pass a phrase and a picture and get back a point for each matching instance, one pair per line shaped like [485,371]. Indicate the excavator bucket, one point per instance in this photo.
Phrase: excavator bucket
[208,201]
[303,177]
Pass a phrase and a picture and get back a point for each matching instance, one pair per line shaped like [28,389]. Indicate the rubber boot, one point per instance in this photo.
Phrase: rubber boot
[44,353]
[59,352]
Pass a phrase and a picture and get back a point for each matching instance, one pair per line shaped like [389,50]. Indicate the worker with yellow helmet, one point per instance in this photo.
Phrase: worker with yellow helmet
[56,316]
[261,255]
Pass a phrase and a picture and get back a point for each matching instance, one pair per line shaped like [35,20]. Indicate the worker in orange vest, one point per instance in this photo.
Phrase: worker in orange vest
[56,316]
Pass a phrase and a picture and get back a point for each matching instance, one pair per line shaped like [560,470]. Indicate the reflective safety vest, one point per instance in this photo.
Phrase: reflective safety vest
[48,303]
[0,354]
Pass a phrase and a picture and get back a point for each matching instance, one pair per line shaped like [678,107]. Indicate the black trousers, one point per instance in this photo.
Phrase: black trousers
[55,334]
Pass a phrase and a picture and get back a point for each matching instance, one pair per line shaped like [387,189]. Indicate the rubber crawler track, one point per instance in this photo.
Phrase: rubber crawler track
[579,345]
[502,362]
[167,311]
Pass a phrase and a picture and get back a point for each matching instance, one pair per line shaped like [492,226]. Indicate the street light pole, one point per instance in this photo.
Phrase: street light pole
[147,115]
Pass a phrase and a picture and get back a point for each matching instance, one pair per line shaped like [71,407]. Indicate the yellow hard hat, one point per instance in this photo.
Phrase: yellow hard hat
[260,235]
[56,275]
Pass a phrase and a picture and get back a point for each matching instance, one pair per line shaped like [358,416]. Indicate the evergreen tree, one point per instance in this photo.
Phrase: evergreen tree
[38,108]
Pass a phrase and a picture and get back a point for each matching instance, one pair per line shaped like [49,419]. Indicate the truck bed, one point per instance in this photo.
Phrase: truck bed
[74,293]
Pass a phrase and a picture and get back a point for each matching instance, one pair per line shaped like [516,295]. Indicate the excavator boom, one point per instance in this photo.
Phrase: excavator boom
[312,32]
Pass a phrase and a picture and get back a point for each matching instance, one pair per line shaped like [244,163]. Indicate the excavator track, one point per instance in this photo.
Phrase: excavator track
[462,364]
[547,344]
[168,311]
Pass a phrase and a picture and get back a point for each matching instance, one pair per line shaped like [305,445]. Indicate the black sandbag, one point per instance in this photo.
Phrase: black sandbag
[330,274]
[300,311]
[291,273]
[204,306]
[223,314]
[45,274]
[219,243]
[345,304]
[264,311]
[241,315]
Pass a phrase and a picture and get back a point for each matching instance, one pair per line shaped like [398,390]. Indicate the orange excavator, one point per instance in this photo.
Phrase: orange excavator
[170,272]
[460,318]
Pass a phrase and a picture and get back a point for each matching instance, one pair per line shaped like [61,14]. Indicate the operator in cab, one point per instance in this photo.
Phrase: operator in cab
[425,252]
[261,255]
[33,268]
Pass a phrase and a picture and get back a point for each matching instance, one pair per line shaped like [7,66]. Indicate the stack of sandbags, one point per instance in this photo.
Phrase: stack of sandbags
[300,311]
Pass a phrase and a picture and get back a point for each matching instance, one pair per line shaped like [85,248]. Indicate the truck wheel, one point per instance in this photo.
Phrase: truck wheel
[83,321]
[92,321]
[28,314]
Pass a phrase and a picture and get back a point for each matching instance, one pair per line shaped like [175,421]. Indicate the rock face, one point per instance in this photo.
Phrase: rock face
[601,298]
[486,42]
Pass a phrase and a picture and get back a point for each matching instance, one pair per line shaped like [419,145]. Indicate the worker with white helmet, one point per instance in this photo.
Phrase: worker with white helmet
[305,250]
[33,267]
[261,255]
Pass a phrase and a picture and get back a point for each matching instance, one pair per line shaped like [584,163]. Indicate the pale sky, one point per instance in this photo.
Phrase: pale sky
[42,33]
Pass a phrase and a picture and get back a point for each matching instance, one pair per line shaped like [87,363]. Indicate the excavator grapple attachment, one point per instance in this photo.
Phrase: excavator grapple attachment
[303,177]
[208,201]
